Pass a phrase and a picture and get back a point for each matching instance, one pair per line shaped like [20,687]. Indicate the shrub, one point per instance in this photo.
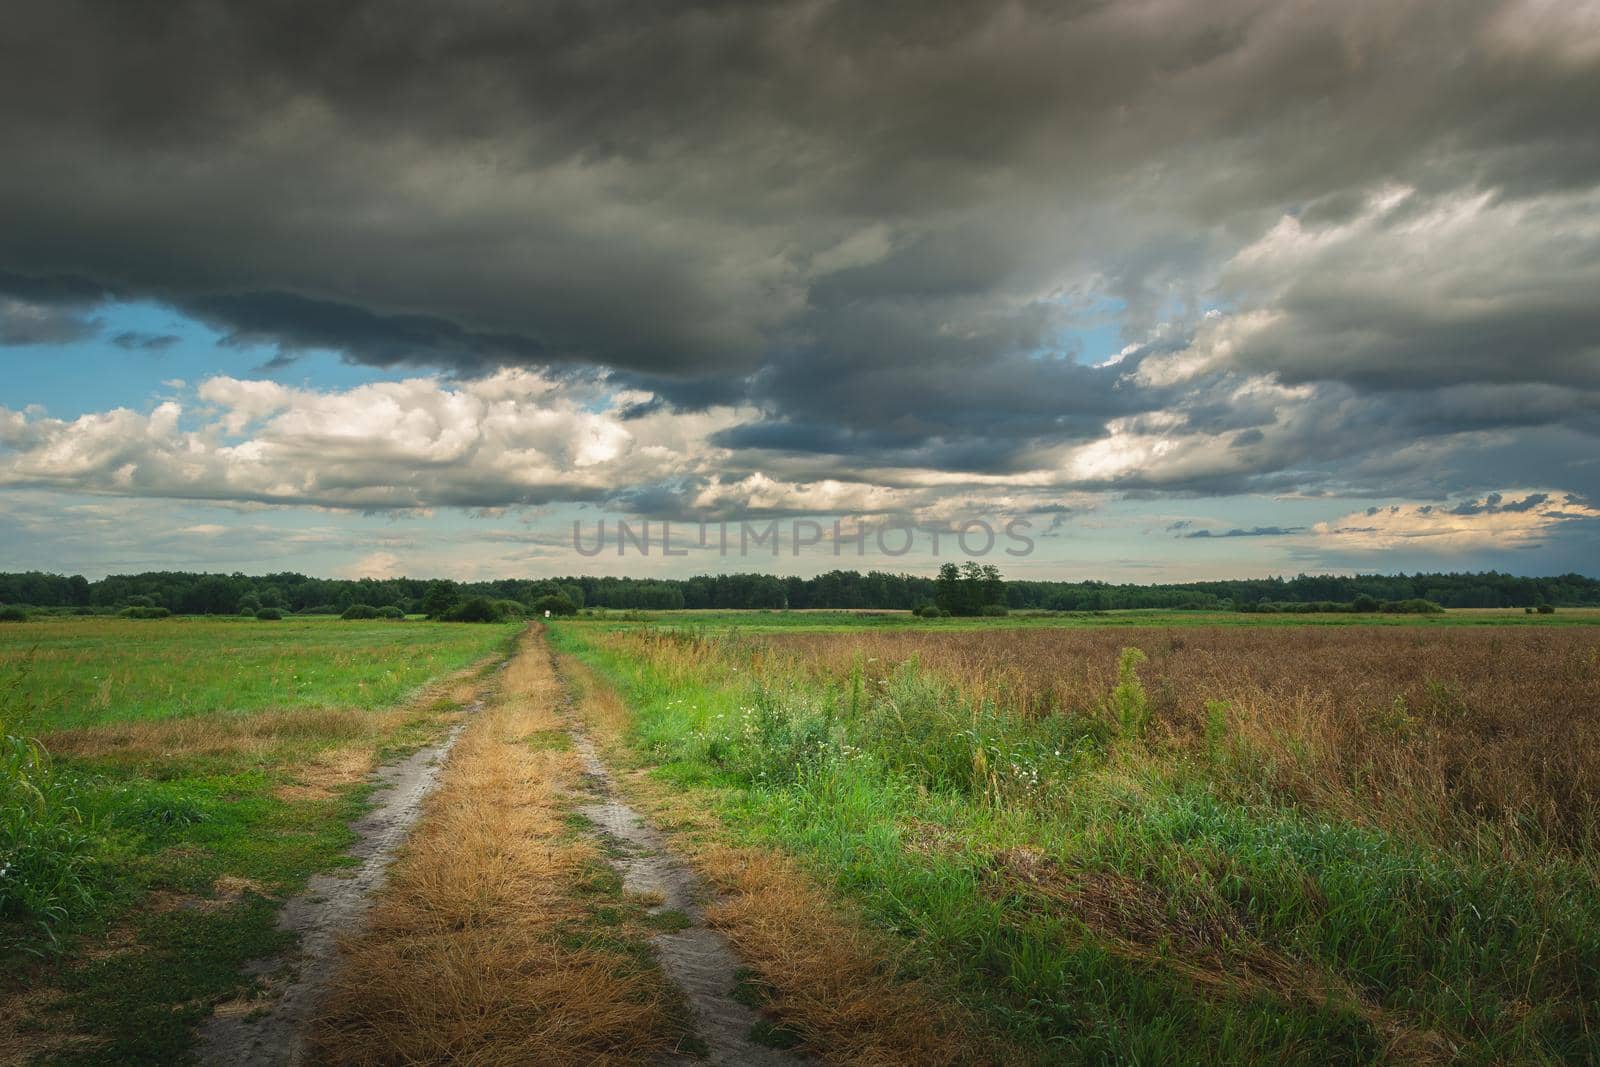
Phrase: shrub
[511,609]
[1365,603]
[360,611]
[389,611]
[137,612]
[1414,606]
[269,615]
[1128,701]
[478,609]
[994,610]
[555,604]
[1547,609]
[13,613]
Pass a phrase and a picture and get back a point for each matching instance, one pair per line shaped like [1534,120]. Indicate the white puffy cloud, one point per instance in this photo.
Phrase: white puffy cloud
[515,437]
[1513,519]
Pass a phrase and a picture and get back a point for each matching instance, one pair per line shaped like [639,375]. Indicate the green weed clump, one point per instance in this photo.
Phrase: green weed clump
[48,853]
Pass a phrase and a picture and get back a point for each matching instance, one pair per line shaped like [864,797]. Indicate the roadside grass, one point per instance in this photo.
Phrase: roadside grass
[189,832]
[503,936]
[823,980]
[1100,886]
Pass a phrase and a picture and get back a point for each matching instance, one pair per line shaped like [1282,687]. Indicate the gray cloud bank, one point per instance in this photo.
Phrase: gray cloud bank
[1347,247]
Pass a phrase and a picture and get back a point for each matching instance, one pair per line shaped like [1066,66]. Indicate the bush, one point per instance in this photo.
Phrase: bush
[360,611]
[13,613]
[137,612]
[994,611]
[929,611]
[1414,606]
[1547,609]
[1365,603]
[478,609]
[555,604]
[511,609]
[269,615]
[389,611]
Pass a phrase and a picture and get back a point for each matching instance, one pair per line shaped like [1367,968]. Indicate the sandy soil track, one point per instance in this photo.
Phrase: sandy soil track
[272,1032]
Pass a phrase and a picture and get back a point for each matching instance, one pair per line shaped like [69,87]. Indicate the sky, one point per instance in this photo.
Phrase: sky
[1151,290]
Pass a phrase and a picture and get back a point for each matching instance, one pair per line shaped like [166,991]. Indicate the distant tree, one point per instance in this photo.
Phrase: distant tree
[477,609]
[556,604]
[439,599]
[947,588]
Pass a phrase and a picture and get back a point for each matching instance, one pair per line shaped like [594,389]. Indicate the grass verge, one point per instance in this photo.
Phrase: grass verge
[826,982]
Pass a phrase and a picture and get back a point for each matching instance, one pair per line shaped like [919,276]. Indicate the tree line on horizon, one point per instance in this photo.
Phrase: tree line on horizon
[190,593]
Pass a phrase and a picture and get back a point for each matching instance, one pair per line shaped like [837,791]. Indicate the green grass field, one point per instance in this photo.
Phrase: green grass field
[83,671]
[166,784]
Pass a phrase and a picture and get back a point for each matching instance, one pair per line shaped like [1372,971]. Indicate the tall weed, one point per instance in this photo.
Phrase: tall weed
[48,852]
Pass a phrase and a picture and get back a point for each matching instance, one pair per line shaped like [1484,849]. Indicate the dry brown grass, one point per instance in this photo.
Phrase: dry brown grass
[464,958]
[826,976]
[1437,731]
[30,1032]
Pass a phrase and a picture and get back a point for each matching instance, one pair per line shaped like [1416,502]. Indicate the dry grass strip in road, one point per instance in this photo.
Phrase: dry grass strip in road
[501,938]
[818,970]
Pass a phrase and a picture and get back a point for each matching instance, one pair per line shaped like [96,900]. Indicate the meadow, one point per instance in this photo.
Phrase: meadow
[1260,842]
[166,784]
[77,671]
[1127,837]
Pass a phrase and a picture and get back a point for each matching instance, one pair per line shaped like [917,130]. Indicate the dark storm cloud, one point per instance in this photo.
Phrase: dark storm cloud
[1254,531]
[134,341]
[881,225]
[1495,503]
[42,324]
